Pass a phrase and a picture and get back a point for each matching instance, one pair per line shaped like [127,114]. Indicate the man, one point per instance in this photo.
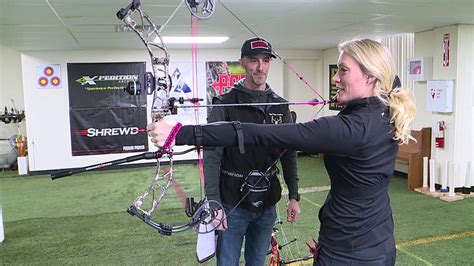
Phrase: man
[244,179]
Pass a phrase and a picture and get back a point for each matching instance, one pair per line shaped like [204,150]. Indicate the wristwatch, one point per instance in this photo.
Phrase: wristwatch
[296,197]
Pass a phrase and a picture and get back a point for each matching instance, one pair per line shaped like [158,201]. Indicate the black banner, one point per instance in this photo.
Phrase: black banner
[333,88]
[105,119]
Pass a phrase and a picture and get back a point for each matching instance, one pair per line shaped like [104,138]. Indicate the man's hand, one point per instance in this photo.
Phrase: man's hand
[292,211]
[220,222]
[158,132]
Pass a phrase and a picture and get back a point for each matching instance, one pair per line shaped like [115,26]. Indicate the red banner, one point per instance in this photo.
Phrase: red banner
[221,76]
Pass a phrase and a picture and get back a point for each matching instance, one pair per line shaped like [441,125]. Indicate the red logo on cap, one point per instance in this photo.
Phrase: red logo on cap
[259,44]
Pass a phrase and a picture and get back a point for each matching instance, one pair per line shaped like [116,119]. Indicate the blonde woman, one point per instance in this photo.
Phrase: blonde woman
[360,145]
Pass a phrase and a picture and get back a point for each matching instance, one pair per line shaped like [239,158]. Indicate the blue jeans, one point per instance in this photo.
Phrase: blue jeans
[257,228]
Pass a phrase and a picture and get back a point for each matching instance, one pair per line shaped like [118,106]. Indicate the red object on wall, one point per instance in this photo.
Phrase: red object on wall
[439,143]
[446,41]
[439,135]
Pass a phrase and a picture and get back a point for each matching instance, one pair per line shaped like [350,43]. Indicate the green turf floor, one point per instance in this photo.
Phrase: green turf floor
[82,220]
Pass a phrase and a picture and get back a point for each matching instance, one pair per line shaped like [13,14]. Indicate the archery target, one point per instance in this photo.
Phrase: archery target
[43,82]
[49,76]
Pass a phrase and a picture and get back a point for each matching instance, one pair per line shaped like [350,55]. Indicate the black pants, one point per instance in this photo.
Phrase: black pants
[382,254]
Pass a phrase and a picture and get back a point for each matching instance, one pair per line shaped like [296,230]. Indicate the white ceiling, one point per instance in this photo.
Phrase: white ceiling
[287,24]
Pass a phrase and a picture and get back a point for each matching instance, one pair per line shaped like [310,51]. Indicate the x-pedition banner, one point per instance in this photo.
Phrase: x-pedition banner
[103,118]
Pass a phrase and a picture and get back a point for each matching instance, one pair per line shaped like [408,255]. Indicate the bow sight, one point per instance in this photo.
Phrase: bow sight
[164,103]
[136,88]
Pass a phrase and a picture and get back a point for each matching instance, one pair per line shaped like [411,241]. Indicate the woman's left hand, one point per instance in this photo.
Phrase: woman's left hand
[159,132]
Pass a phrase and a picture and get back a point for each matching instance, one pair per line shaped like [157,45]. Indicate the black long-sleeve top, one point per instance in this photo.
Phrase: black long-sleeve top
[359,156]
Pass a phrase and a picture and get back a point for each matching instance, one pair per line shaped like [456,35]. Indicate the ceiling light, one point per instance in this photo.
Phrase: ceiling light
[169,39]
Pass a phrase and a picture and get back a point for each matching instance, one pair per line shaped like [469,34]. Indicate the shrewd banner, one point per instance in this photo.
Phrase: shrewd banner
[103,118]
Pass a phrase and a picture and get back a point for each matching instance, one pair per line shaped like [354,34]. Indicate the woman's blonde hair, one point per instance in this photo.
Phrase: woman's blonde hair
[375,60]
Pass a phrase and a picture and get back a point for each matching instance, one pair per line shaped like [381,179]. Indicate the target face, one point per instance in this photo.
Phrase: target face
[49,77]
[48,71]
[43,82]
[55,81]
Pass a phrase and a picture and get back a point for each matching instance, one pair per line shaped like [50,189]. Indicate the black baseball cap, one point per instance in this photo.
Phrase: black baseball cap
[255,46]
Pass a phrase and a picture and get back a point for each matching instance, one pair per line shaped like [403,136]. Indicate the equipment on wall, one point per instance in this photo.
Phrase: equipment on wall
[440,96]
[440,134]
[13,115]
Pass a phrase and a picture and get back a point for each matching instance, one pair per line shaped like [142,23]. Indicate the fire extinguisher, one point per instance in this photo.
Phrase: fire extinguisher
[439,135]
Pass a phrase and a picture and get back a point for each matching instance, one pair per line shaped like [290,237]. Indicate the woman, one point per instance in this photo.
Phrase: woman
[360,146]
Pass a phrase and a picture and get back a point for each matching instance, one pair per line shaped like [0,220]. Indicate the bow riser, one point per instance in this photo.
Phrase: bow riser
[161,84]
[162,106]
[161,181]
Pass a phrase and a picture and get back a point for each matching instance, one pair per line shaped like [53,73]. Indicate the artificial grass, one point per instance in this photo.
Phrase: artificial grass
[418,216]
[82,220]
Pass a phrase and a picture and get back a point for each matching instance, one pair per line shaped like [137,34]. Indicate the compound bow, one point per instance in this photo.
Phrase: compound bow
[160,83]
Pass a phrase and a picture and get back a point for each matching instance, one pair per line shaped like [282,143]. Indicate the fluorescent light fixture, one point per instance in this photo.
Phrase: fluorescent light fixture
[169,39]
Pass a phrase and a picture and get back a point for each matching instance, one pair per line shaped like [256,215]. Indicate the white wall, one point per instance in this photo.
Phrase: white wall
[308,64]
[49,139]
[312,64]
[11,88]
[458,123]
[465,101]
[460,126]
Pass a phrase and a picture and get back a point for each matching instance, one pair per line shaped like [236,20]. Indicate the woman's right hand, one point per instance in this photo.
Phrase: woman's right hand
[220,221]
